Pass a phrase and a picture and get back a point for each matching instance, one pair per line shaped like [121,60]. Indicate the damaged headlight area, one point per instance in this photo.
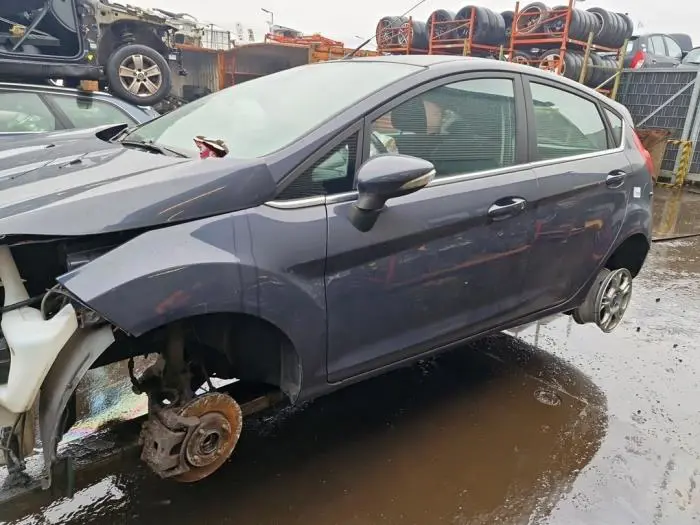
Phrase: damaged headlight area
[39,262]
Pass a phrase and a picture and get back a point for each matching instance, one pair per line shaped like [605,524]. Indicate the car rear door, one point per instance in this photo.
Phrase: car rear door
[449,260]
[583,190]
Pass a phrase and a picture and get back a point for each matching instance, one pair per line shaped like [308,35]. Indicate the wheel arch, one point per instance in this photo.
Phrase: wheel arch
[142,32]
[630,253]
[258,348]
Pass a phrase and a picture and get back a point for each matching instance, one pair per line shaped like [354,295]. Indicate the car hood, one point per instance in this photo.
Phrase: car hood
[74,183]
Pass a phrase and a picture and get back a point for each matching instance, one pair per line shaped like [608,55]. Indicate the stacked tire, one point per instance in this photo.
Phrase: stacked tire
[599,71]
[398,30]
[489,27]
[444,25]
[582,23]
[612,29]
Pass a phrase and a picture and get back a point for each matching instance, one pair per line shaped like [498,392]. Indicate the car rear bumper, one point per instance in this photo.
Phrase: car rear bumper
[44,70]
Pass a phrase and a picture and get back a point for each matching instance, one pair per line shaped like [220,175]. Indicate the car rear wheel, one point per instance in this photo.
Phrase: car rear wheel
[607,300]
[138,74]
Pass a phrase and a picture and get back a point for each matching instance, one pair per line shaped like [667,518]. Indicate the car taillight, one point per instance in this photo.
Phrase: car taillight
[638,59]
[645,153]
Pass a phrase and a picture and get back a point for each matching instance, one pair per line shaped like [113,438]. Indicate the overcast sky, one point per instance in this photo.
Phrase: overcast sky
[346,20]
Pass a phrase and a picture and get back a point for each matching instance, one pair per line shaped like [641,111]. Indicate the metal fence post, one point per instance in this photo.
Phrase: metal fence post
[692,120]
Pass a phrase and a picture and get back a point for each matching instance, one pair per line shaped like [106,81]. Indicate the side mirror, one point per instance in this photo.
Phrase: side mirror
[386,177]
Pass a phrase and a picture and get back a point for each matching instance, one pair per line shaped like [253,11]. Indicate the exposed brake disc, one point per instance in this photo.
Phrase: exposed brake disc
[213,440]
[189,443]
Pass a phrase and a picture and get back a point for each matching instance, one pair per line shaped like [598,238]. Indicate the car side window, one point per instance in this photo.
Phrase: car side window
[615,126]
[461,128]
[85,112]
[24,112]
[674,50]
[566,124]
[657,44]
[333,173]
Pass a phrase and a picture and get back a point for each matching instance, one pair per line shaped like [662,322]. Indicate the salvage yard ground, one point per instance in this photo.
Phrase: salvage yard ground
[552,423]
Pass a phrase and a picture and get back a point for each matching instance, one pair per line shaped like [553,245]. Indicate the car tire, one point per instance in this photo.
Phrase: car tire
[508,17]
[482,24]
[402,33]
[386,34]
[571,64]
[498,29]
[142,94]
[629,23]
[531,17]
[444,28]
[522,58]
[598,71]
[604,23]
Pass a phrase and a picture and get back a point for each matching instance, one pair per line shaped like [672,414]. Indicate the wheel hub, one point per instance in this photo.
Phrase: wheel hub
[140,75]
[190,442]
[208,441]
[613,299]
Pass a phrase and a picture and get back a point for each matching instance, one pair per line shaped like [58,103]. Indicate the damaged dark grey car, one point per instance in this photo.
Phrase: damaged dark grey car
[365,213]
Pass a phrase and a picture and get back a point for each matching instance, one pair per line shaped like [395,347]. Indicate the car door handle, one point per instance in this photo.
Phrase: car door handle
[506,208]
[615,179]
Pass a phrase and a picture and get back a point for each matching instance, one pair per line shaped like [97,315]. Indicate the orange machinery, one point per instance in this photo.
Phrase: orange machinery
[322,48]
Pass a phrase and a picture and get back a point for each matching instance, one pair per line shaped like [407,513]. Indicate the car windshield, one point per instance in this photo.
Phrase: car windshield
[261,116]
[693,57]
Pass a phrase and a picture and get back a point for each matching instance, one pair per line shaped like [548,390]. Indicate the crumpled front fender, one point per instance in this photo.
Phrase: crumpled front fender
[75,359]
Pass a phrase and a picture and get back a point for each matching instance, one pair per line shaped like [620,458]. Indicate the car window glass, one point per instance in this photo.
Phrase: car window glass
[615,126]
[565,124]
[461,128]
[261,116]
[674,50]
[333,173]
[85,112]
[24,112]
[657,44]
[630,45]
[693,57]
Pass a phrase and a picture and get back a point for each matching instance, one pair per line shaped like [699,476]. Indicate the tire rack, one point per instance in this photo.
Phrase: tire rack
[448,46]
[401,33]
[520,40]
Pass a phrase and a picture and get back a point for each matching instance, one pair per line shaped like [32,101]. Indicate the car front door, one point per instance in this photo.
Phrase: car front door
[581,168]
[675,53]
[659,54]
[448,261]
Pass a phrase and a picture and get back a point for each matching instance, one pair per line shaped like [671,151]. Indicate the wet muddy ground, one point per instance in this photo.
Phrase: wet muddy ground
[552,423]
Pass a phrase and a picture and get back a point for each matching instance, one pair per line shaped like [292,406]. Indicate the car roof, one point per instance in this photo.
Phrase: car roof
[47,88]
[446,64]
[56,89]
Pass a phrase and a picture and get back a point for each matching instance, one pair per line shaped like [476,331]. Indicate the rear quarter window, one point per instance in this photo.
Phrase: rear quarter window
[566,124]
[616,126]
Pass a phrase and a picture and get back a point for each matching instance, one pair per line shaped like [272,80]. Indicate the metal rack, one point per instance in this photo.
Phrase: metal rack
[439,45]
[563,42]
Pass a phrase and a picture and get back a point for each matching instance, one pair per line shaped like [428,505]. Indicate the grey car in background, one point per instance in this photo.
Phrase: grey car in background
[347,218]
[652,51]
[29,108]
